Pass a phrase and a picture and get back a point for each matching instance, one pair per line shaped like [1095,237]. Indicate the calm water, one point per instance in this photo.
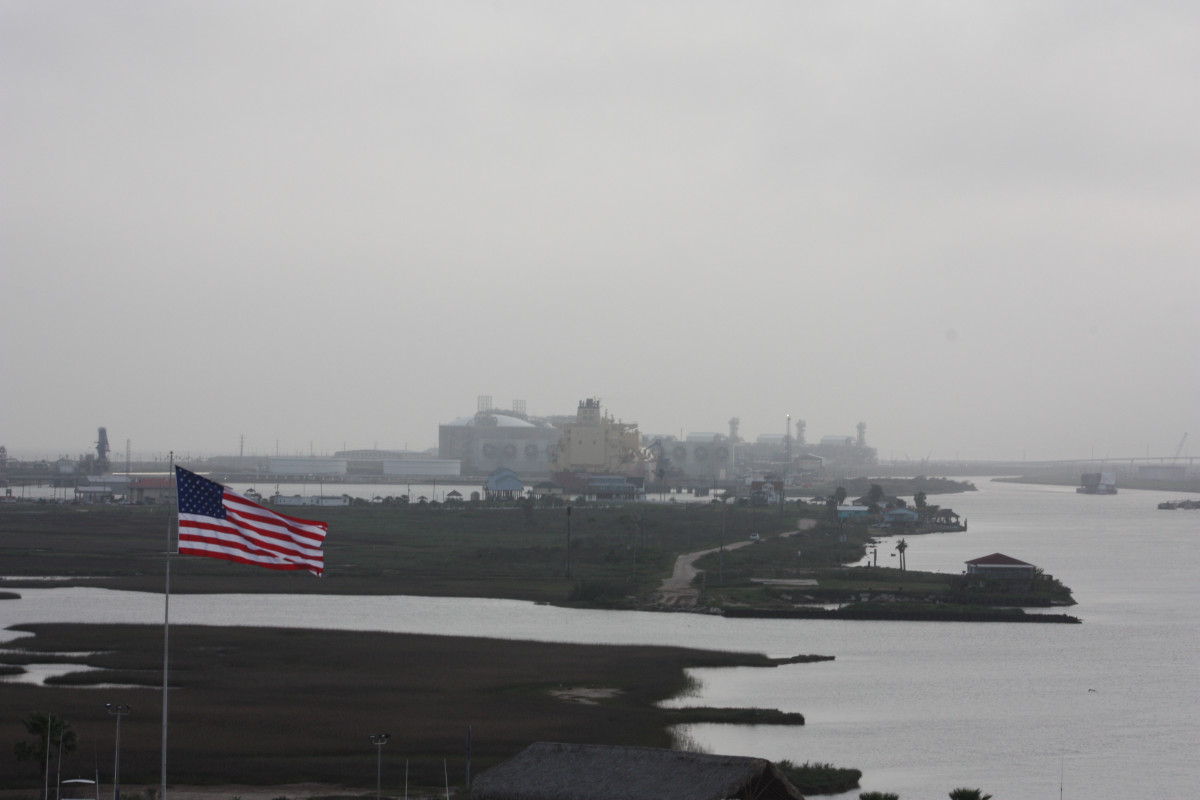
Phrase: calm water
[1113,705]
[366,491]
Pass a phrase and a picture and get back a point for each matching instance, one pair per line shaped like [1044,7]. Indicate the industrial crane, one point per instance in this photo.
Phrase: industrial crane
[657,452]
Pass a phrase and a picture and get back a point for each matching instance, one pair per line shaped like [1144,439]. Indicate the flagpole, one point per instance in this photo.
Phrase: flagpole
[167,631]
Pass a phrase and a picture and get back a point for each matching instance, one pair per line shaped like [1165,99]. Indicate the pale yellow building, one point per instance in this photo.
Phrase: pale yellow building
[597,443]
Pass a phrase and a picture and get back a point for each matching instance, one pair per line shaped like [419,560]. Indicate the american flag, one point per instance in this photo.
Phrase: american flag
[218,523]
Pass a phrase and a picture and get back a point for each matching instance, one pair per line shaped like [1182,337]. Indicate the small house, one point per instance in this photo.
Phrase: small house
[152,489]
[615,487]
[852,512]
[310,500]
[503,484]
[900,517]
[770,491]
[1005,573]
[548,489]
[93,494]
[551,771]
[998,565]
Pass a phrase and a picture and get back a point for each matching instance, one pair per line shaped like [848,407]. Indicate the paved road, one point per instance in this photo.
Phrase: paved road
[678,590]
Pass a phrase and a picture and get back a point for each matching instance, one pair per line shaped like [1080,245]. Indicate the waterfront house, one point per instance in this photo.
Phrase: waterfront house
[615,487]
[152,489]
[552,771]
[900,517]
[503,484]
[852,512]
[1003,572]
[310,500]
[548,489]
[93,494]
[998,565]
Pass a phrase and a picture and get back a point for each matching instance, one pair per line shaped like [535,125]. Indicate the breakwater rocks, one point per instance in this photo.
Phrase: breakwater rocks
[893,612]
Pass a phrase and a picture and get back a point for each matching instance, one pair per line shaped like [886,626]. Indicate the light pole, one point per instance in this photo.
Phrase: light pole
[49,723]
[379,740]
[118,710]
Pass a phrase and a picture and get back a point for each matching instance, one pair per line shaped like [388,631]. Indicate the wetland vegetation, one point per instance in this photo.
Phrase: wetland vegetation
[273,706]
[619,555]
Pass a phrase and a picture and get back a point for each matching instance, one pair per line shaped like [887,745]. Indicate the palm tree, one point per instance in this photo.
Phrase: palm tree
[963,793]
[49,731]
[901,546]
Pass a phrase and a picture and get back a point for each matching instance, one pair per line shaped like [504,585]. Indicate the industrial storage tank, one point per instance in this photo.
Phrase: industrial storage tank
[490,440]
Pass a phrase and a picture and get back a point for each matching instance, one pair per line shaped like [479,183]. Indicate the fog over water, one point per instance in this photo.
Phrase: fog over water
[971,226]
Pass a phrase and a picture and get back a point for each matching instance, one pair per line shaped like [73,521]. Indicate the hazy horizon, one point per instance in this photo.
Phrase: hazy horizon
[975,228]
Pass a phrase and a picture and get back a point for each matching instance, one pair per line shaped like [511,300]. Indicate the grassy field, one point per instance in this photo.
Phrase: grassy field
[619,555]
[466,552]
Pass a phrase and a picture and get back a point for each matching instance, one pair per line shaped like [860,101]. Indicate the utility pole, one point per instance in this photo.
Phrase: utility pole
[568,543]
[721,561]
[49,724]
[787,467]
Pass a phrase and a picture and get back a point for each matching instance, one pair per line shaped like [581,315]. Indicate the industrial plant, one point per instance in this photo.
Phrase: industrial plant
[590,453]
[589,449]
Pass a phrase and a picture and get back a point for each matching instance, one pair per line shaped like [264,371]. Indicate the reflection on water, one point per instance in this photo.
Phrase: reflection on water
[39,673]
[920,707]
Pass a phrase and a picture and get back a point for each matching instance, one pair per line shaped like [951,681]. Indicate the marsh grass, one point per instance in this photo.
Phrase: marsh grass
[282,706]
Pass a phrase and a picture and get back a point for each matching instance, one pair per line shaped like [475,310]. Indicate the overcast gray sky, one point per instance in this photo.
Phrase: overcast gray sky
[973,226]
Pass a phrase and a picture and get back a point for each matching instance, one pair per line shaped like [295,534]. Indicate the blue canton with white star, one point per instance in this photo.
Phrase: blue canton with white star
[198,495]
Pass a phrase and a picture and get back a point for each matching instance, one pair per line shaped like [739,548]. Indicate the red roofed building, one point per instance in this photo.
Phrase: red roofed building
[152,489]
[998,565]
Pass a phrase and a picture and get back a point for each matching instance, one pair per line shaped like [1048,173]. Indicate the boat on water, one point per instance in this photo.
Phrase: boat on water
[1171,505]
[1098,483]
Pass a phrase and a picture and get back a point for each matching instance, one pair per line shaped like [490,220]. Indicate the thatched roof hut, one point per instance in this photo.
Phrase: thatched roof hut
[551,771]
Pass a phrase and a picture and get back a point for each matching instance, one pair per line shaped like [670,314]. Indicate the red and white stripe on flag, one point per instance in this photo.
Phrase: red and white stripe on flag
[218,523]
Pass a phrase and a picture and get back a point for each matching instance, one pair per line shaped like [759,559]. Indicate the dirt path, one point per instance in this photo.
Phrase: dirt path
[678,591]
